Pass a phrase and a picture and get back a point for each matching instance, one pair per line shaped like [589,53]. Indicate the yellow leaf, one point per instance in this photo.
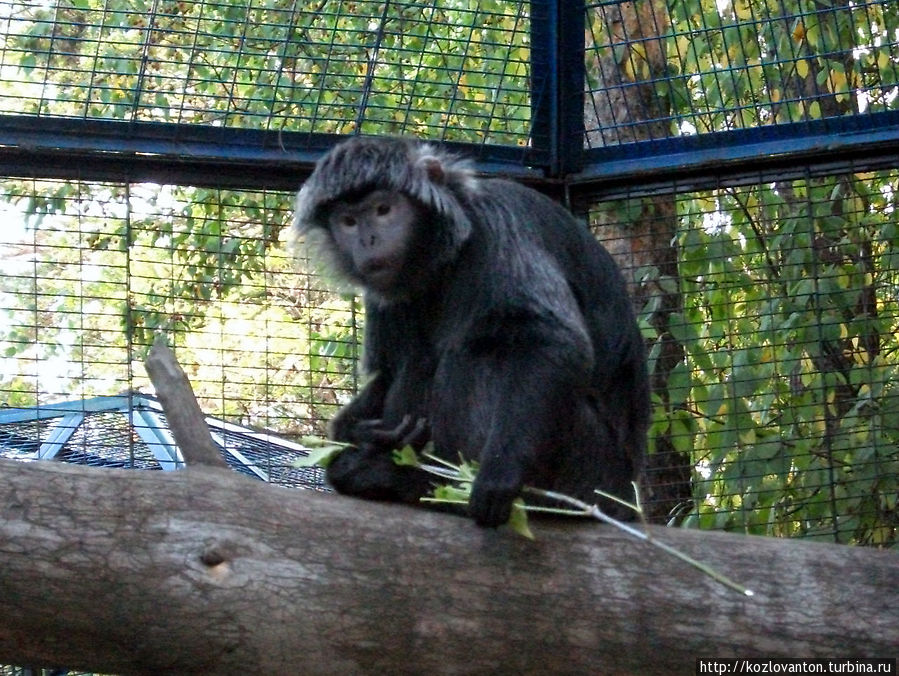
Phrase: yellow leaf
[518,520]
[802,68]
[638,51]
[742,10]
[838,81]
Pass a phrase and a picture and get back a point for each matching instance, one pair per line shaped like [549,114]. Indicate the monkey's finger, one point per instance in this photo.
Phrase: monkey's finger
[492,495]
[361,432]
[375,431]
[406,432]
[369,424]
[418,436]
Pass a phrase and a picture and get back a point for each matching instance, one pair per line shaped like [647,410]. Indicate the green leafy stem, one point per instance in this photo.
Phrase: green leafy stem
[457,491]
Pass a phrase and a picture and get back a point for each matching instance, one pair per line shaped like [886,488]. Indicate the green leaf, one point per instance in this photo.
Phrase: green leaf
[455,493]
[518,520]
[406,457]
[320,457]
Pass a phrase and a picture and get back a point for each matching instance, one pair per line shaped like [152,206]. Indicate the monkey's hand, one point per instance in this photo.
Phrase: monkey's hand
[492,495]
[367,469]
[374,434]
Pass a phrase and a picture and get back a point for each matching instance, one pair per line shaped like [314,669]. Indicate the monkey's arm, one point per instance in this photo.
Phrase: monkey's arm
[526,431]
[511,397]
[367,468]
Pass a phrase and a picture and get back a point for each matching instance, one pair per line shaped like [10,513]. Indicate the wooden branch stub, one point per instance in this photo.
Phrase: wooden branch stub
[185,419]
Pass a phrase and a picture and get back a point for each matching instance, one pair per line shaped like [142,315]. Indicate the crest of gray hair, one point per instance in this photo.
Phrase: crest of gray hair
[440,181]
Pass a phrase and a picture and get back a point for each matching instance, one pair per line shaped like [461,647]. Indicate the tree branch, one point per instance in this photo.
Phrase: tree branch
[185,419]
[205,571]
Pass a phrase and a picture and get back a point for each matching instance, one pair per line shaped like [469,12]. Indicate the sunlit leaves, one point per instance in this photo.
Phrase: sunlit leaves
[745,63]
[458,71]
[789,326]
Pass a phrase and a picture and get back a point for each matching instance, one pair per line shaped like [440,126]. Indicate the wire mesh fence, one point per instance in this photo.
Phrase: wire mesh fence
[769,303]
[455,72]
[656,71]
[92,274]
[772,314]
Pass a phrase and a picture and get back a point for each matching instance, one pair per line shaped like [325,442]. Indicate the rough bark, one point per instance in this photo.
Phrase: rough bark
[205,571]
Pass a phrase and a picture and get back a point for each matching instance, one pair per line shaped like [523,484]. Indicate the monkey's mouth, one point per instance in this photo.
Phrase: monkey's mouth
[379,273]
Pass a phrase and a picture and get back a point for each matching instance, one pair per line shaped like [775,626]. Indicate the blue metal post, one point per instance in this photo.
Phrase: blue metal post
[557,80]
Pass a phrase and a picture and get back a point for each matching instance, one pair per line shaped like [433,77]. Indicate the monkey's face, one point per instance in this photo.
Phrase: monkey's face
[374,236]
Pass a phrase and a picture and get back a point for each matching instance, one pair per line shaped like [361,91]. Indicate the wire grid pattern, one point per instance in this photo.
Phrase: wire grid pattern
[102,439]
[93,272]
[698,67]
[278,464]
[773,317]
[23,440]
[787,392]
[457,72]
[106,439]
[246,451]
[780,297]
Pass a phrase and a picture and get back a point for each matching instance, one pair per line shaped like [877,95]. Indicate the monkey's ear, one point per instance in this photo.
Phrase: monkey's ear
[442,169]
[433,169]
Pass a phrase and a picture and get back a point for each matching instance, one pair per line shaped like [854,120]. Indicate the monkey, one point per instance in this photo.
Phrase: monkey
[496,328]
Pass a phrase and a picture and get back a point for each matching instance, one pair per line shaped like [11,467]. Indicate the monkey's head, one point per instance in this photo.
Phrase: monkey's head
[386,212]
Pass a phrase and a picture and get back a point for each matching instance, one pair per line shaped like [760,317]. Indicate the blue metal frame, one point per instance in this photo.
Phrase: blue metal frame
[557,77]
[555,161]
[160,152]
[144,416]
[867,142]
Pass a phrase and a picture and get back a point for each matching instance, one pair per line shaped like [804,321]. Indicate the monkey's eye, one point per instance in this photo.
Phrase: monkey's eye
[383,209]
[348,221]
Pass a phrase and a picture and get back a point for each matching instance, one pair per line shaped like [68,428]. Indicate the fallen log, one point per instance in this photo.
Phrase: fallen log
[206,571]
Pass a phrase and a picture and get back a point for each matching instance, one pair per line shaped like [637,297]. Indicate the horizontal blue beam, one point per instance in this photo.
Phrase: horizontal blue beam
[104,150]
[160,152]
[741,156]
[58,409]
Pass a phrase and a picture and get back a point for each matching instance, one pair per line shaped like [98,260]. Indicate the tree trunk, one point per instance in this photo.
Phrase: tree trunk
[205,571]
[626,55]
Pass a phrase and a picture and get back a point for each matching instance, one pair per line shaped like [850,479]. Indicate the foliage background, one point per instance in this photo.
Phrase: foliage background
[770,306]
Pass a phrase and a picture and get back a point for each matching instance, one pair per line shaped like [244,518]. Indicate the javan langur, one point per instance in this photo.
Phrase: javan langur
[496,326]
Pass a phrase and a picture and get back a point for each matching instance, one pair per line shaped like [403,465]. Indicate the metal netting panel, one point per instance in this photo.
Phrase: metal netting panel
[697,67]
[457,72]
[106,439]
[767,292]
[22,440]
[92,272]
[772,315]
[275,461]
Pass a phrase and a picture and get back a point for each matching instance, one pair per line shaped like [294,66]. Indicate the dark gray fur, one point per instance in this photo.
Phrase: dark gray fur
[514,338]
